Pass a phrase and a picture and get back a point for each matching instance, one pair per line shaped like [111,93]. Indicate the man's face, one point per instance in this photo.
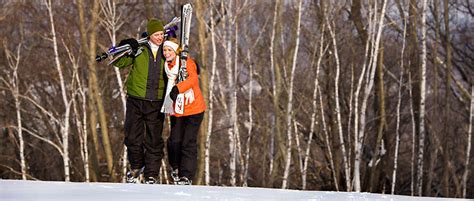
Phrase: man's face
[157,37]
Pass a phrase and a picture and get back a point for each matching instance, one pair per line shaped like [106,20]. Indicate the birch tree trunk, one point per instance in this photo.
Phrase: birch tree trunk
[204,82]
[338,110]
[357,114]
[83,29]
[64,124]
[315,105]
[289,112]
[227,40]
[468,148]
[111,22]
[399,101]
[433,150]
[88,40]
[275,119]
[13,84]
[18,116]
[233,102]
[413,136]
[211,98]
[328,143]
[250,124]
[81,125]
[368,88]
[447,127]
[422,101]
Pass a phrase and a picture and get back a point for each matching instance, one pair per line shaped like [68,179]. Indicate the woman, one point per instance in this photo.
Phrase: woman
[182,142]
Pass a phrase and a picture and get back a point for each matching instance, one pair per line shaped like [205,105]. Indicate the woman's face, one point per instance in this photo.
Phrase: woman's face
[169,53]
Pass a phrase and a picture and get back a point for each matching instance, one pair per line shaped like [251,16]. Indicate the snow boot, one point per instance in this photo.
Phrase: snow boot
[174,176]
[151,180]
[133,176]
[184,181]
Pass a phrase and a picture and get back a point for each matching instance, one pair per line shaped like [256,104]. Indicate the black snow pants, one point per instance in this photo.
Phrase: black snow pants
[143,135]
[182,144]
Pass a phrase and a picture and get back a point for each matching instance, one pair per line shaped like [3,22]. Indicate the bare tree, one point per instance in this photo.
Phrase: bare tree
[203,30]
[468,148]
[289,109]
[376,37]
[422,100]
[64,124]
[89,44]
[233,129]
[112,23]
[81,125]
[447,126]
[338,109]
[399,102]
[250,123]
[276,83]
[211,98]
[321,53]
[413,136]
[13,85]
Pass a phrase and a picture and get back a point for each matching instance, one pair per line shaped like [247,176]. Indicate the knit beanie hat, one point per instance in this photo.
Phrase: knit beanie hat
[172,43]
[153,26]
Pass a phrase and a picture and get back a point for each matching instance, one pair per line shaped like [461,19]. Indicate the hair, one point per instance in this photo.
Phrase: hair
[175,40]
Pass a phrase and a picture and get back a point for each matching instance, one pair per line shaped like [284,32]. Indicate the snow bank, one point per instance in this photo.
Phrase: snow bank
[45,190]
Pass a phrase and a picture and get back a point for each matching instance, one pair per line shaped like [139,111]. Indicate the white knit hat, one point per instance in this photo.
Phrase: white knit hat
[171,44]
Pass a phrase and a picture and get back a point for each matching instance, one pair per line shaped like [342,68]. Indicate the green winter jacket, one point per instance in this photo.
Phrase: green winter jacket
[147,79]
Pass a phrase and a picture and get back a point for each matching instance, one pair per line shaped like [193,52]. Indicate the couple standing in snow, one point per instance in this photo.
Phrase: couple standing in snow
[151,95]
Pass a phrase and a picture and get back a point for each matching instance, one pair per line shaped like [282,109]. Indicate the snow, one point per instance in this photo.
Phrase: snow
[52,191]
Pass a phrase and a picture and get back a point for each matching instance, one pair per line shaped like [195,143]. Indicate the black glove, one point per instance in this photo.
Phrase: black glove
[132,42]
[174,93]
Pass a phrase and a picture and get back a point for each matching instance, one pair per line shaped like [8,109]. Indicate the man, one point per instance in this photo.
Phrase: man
[146,84]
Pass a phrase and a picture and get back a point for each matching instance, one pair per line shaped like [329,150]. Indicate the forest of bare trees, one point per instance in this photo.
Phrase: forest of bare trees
[361,95]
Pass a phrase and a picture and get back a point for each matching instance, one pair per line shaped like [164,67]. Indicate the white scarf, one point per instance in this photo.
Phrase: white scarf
[154,48]
[172,76]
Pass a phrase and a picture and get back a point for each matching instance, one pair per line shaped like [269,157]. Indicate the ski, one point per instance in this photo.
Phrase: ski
[118,52]
[186,15]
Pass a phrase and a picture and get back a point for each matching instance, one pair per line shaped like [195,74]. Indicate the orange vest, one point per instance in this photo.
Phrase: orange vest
[192,82]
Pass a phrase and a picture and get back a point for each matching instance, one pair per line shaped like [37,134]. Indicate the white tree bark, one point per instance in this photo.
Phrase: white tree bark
[367,91]
[289,111]
[112,24]
[413,140]
[397,130]
[298,147]
[274,89]
[326,137]
[338,110]
[64,124]
[13,85]
[81,125]
[227,40]
[250,124]
[468,148]
[357,145]
[235,123]
[322,52]
[422,101]
[211,99]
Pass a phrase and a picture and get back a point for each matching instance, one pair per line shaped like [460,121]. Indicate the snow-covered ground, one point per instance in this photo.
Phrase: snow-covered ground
[56,191]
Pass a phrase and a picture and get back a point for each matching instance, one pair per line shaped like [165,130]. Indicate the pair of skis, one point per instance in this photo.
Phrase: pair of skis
[186,15]
[120,51]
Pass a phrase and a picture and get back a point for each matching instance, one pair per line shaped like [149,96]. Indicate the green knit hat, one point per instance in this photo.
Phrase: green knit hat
[153,26]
